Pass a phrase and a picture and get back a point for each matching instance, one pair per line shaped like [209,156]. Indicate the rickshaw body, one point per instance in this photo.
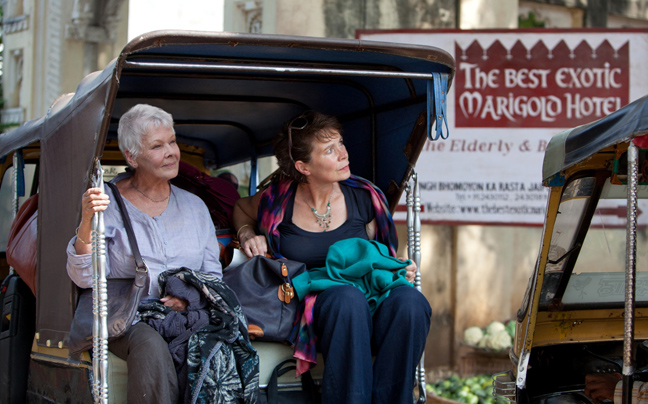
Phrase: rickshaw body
[573,320]
[228,94]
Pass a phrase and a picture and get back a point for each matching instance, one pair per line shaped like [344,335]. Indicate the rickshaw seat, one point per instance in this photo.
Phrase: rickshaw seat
[270,355]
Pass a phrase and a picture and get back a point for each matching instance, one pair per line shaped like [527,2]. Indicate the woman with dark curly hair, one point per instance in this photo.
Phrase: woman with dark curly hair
[312,203]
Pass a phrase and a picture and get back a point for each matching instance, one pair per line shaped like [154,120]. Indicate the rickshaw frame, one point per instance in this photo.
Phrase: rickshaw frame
[392,95]
[587,150]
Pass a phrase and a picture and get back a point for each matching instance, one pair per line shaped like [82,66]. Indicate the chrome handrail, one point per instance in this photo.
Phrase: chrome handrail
[14,198]
[413,203]
[224,67]
[99,301]
[14,173]
[630,272]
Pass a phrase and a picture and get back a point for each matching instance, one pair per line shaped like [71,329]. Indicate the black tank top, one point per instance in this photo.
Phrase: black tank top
[311,248]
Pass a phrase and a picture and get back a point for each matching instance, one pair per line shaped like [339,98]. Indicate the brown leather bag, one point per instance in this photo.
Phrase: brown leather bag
[22,243]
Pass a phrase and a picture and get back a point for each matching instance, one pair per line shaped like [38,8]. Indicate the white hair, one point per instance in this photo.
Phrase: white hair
[136,122]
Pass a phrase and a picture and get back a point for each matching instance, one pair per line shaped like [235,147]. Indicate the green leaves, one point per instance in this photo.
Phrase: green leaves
[472,390]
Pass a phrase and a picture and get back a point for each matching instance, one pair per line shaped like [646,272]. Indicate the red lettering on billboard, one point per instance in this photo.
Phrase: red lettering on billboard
[539,87]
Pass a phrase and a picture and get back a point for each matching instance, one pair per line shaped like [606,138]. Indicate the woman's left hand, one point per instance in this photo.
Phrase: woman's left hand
[175,303]
[411,271]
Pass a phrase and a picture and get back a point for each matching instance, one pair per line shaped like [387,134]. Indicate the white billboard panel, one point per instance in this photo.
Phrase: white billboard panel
[512,91]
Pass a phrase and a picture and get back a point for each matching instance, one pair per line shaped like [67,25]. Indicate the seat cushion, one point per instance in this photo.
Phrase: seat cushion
[270,355]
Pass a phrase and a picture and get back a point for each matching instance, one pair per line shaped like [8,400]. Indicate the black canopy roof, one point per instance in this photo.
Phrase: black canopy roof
[574,145]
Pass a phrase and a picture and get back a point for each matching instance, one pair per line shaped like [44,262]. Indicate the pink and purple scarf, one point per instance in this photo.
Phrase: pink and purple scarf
[272,208]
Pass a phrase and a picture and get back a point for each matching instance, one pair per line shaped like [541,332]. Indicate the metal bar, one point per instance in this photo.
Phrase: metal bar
[273,69]
[417,279]
[630,271]
[417,230]
[14,197]
[99,301]
[14,173]
[241,61]
[413,203]
[409,202]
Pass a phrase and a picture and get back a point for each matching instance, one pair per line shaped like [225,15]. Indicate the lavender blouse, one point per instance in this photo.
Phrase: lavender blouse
[182,236]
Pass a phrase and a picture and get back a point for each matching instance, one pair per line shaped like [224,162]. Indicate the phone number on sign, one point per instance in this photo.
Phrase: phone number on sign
[530,197]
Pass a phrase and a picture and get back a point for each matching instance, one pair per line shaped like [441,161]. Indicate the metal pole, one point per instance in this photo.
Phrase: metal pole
[274,69]
[409,202]
[14,197]
[413,203]
[631,253]
[417,279]
[417,231]
[99,301]
[14,172]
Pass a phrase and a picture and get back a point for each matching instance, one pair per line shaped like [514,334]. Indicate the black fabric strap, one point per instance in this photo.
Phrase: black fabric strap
[129,228]
[308,384]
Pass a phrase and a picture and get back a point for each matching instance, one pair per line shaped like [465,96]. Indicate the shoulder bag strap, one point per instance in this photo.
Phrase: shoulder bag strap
[139,262]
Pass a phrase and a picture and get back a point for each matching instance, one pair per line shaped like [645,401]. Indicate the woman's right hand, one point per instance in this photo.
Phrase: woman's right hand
[93,200]
[252,244]
[244,218]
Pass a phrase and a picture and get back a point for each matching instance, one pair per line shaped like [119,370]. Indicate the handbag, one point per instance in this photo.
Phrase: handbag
[124,295]
[309,394]
[21,245]
[264,289]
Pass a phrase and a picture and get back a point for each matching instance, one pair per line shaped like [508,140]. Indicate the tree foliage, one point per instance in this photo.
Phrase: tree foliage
[530,21]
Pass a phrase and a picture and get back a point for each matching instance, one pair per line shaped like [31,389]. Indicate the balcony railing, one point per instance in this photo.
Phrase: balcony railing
[10,116]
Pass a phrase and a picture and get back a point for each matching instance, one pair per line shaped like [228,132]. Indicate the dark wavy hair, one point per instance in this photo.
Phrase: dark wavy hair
[318,127]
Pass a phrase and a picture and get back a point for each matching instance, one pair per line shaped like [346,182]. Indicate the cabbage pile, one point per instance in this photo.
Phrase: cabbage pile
[496,336]
[473,390]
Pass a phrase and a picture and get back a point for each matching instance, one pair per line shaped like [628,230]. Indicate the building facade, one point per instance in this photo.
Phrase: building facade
[49,46]
[341,18]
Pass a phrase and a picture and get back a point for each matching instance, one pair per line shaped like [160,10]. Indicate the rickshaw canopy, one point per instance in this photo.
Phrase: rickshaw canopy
[573,145]
[228,94]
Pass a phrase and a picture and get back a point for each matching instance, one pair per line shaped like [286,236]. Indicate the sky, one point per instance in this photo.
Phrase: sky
[151,15]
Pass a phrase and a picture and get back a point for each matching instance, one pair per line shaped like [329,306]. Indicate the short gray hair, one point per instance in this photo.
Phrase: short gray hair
[136,122]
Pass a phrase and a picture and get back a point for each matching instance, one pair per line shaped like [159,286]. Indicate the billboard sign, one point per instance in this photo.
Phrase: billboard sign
[512,91]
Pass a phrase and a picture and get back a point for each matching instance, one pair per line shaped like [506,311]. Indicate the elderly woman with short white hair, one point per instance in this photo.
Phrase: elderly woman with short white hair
[173,229]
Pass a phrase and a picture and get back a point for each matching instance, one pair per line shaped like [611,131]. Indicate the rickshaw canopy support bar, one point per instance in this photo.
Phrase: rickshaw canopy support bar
[631,267]
[198,67]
